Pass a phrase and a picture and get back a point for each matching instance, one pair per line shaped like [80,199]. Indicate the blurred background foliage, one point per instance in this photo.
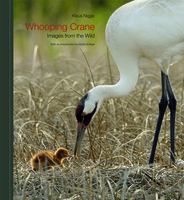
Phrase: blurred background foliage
[54,11]
[57,12]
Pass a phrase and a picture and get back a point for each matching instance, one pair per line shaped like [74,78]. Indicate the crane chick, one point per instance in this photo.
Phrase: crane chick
[47,159]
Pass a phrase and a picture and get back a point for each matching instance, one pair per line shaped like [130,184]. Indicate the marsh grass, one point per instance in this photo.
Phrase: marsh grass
[117,144]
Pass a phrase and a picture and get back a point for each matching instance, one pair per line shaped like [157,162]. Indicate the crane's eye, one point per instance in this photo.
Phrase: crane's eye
[84,118]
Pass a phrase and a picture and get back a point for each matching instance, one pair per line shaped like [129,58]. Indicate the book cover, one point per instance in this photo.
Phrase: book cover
[70,140]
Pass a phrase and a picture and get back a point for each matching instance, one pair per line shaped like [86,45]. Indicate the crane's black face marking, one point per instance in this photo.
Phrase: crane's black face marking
[83,121]
[82,117]
[80,108]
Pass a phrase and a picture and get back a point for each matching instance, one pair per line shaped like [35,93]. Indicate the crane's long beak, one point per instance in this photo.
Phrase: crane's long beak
[80,134]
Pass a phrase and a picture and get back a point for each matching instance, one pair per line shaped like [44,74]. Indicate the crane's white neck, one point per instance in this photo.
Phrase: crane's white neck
[128,79]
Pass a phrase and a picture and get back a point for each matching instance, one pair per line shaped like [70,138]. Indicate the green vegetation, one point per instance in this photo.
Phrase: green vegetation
[49,11]
[57,12]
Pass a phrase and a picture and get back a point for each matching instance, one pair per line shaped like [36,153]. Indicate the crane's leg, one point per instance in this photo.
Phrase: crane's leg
[162,108]
[172,106]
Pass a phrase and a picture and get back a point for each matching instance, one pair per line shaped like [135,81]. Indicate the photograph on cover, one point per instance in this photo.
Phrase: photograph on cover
[98,99]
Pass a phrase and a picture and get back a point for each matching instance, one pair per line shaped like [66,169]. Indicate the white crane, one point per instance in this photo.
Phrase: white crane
[142,28]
